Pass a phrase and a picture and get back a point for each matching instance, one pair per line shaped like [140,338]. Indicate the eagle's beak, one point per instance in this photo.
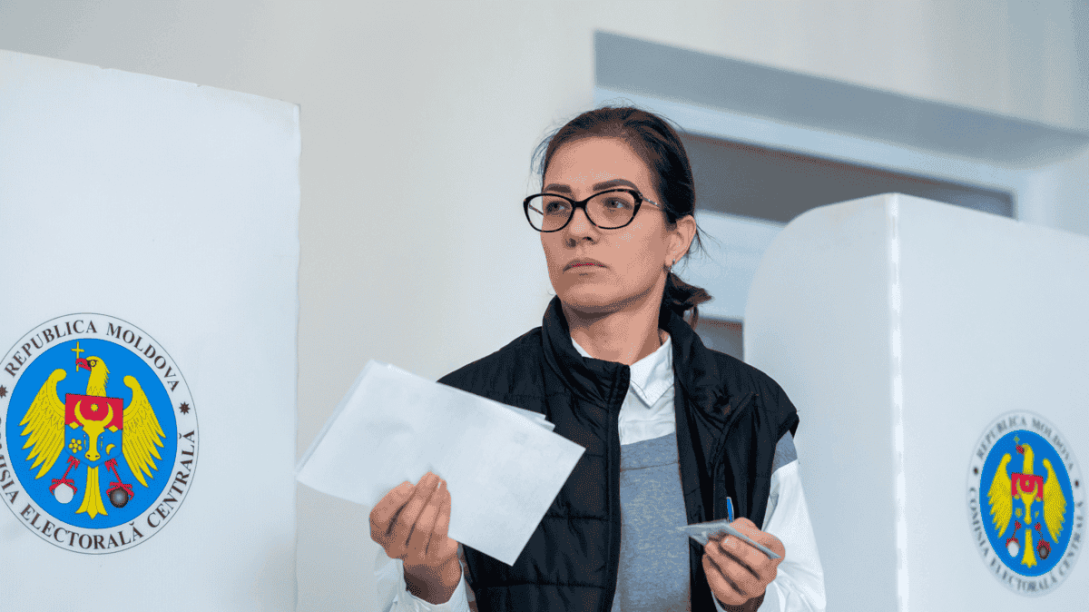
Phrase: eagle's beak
[82,363]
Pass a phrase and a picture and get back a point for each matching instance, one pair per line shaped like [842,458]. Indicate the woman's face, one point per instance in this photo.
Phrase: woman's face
[629,264]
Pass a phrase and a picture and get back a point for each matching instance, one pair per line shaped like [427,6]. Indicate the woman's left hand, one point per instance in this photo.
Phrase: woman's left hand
[736,571]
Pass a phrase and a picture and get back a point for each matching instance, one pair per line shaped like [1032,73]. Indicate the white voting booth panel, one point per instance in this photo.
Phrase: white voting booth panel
[908,333]
[148,305]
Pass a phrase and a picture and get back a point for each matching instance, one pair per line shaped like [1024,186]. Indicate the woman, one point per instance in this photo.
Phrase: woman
[671,428]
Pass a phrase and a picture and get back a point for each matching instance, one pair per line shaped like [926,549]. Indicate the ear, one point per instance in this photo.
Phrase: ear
[680,238]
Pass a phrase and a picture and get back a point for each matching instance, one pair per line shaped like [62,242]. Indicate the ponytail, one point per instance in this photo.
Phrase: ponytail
[680,297]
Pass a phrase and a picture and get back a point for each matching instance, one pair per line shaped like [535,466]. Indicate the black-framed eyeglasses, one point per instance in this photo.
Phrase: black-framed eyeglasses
[609,209]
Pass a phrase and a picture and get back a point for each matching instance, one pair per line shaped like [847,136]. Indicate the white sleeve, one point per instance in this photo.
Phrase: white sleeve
[393,594]
[799,583]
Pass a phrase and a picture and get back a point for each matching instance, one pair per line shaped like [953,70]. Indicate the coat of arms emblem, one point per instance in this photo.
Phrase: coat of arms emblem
[98,432]
[1025,499]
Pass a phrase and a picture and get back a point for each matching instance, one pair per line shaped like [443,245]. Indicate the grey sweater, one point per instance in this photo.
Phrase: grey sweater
[653,574]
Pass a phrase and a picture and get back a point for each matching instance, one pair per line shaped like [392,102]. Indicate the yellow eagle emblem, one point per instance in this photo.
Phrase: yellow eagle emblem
[96,431]
[1025,489]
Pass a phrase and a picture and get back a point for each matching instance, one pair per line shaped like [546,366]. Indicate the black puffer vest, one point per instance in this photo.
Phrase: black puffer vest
[729,417]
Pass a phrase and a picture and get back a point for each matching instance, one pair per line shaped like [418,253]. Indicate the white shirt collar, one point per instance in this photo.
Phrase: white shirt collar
[652,375]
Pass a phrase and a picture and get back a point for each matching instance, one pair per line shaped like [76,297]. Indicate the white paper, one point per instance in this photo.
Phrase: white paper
[503,470]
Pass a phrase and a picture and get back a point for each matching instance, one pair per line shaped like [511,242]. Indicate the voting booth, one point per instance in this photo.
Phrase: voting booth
[939,360]
[148,308]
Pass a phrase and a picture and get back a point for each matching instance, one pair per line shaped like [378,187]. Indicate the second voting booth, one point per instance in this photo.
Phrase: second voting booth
[939,359]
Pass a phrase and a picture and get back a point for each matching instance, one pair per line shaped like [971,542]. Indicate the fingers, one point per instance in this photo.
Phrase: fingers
[386,510]
[746,527]
[722,585]
[742,548]
[412,522]
[423,533]
[733,551]
[409,520]
[768,540]
[441,547]
[736,571]
[401,529]
[442,521]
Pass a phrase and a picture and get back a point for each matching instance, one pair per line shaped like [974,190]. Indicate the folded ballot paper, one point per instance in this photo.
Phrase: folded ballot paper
[502,465]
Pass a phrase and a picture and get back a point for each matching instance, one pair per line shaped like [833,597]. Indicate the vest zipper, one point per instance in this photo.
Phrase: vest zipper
[744,403]
[615,526]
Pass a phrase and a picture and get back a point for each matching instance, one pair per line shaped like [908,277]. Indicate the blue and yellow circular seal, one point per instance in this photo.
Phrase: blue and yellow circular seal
[98,434]
[1026,503]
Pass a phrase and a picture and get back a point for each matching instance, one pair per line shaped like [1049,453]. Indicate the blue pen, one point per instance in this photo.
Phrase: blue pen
[729,509]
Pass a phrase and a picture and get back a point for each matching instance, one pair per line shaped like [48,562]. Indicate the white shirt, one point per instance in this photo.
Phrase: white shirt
[648,413]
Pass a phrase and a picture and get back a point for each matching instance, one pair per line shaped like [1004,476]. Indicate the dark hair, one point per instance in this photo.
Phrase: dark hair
[661,149]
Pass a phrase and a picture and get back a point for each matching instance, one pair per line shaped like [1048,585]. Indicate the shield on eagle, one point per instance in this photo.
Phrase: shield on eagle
[94,427]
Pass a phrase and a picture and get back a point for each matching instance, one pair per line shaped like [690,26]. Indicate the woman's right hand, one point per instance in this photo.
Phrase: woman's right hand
[411,524]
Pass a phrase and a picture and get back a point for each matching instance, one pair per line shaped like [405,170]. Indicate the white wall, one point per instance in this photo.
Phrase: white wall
[408,105]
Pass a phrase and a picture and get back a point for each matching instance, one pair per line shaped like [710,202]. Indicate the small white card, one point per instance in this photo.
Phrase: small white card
[502,465]
[703,532]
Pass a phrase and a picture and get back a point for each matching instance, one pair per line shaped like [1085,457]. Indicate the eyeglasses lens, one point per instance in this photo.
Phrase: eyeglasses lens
[607,210]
